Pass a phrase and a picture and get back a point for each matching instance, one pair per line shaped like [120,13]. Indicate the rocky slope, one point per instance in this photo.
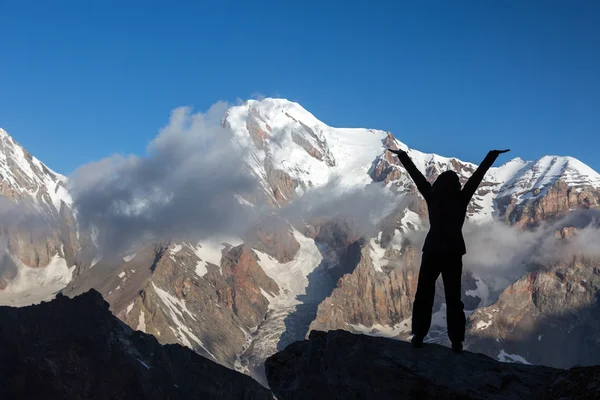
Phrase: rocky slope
[341,365]
[76,349]
[180,295]
[556,306]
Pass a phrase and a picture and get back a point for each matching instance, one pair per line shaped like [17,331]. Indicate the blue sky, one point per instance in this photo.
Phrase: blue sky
[81,82]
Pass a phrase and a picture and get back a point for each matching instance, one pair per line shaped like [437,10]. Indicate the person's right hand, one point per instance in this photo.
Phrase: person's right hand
[397,152]
[498,152]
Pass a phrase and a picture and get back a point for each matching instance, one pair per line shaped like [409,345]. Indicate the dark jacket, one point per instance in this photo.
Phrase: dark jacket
[447,213]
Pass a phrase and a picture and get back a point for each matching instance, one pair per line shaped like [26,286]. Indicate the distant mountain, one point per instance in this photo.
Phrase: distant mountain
[238,300]
[40,238]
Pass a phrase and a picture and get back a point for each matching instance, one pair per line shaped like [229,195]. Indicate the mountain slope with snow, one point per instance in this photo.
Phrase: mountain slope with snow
[25,179]
[238,302]
[281,136]
[39,234]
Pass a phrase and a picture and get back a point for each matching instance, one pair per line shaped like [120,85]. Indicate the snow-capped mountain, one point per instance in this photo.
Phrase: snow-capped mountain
[285,137]
[27,181]
[238,301]
[376,297]
[291,152]
[39,234]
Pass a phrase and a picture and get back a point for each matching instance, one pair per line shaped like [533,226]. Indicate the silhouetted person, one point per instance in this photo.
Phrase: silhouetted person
[444,246]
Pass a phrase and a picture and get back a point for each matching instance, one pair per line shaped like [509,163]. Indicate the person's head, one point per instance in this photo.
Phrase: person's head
[447,183]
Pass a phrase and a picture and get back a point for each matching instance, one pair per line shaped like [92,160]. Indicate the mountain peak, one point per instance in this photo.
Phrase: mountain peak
[31,181]
[283,136]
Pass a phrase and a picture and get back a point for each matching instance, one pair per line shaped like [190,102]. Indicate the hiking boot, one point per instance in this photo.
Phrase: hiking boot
[417,341]
[457,347]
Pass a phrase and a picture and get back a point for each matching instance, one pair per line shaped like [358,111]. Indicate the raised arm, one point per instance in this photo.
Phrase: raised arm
[416,175]
[475,180]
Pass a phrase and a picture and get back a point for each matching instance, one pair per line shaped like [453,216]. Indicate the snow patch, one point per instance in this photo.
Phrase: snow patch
[211,252]
[141,323]
[511,358]
[173,303]
[481,325]
[377,256]
[291,277]
[176,249]
[129,257]
[411,221]
[384,331]
[201,269]
[95,261]
[35,285]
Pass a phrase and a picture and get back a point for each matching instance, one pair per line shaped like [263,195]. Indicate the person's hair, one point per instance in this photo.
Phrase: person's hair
[447,182]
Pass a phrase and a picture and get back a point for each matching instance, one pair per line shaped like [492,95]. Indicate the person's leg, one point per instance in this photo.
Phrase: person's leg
[455,315]
[422,307]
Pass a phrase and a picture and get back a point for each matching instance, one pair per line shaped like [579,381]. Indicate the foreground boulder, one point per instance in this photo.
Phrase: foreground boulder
[76,349]
[342,365]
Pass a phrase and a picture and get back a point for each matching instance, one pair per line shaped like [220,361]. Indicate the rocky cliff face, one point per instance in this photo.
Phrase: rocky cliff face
[555,307]
[208,299]
[340,365]
[76,349]
[273,236]
[560,198]
[368,297]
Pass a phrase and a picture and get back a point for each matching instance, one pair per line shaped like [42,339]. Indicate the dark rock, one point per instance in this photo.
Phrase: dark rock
[579,383]
[76,349]
[341,365]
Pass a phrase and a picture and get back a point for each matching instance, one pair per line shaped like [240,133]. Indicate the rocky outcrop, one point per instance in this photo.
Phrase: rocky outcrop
[557,200]
[245,279]
[311,142]
[555,307]
[388,168]
[341,365]
[579,383]
[76,349]
[273,235]
[260,137]
[281,184]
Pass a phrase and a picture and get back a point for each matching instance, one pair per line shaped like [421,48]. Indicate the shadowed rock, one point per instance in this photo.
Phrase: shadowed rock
[342,365]
[76,349]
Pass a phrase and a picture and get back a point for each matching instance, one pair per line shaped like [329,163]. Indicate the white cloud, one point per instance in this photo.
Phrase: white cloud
[183,187]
